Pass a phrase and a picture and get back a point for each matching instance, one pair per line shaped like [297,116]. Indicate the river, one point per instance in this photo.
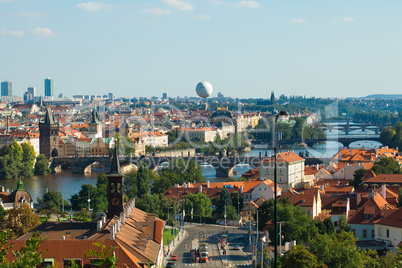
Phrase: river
[69,184]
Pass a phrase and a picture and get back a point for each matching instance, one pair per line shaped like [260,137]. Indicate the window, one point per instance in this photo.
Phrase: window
[67,263]
[387,233]
[364,233]
[379,231]
[353,231]
[372,233]
[47,262]
[335,224]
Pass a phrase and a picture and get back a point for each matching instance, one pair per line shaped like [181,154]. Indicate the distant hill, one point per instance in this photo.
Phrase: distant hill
[384,96]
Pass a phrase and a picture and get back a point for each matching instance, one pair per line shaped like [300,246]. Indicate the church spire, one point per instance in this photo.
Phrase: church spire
[115,167]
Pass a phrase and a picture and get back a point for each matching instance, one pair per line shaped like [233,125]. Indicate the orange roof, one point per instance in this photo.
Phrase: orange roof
[288,157]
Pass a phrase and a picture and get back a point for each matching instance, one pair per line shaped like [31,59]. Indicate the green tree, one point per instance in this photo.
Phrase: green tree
[343,225]
[103,257]
[143,176]
[224,200]
[387,165]
[8,167]
[51,199]
[5,236]
[298,257]
[200,203]
[42,165]
[130,185]
[28,255]
[83,216]
[16,151]
[3,213]
[297,225]
[357,177]
[21,219]
[337,250]
[79,200]
[98,196]
[28,159]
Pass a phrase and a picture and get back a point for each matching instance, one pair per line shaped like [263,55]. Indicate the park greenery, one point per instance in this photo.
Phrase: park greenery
[296,129]
[17,160]
[233,143]
[392,136]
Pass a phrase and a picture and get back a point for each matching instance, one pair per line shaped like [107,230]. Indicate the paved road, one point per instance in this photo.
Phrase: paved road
[207,233]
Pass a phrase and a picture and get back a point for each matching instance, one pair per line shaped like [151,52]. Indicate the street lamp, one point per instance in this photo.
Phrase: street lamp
[281,114]
[169,218]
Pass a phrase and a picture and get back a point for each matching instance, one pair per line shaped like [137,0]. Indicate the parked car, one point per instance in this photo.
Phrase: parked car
[170,264]
[236,247]
[174,258]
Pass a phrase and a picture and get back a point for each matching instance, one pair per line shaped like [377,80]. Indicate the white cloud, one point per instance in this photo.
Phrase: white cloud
[343,20]
[298,20]
[201,17]
[16,33]
[30,14]
[247,4]
[177,4]
[156,11]
[13,33]
[95,6]
[43,32]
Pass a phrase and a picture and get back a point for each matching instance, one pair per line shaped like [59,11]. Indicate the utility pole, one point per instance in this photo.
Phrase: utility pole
[225,215]
[191,211]
[238,207]
[256,241]
[89,201]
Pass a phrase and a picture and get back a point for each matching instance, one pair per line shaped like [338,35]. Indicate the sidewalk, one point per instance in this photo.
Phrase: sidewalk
[173,245]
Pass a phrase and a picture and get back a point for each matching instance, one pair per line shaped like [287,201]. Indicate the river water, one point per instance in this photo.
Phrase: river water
[69,184]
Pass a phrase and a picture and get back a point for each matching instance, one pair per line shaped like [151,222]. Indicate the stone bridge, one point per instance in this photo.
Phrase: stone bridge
[82,165]
[346,141]
[346,127]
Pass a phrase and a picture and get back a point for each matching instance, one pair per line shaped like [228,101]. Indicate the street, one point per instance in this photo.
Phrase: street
[198,233]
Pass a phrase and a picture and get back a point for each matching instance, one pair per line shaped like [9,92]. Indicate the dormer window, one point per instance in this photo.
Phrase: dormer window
[368,216]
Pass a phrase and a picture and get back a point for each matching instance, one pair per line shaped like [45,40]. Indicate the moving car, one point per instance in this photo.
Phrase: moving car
[174,258]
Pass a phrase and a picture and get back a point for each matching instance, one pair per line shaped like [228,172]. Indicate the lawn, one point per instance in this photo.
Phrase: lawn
[167,234]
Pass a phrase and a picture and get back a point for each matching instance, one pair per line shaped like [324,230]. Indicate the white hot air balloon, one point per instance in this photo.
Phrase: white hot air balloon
[204,89]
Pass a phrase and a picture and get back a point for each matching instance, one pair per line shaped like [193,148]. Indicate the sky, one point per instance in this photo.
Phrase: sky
[244,48]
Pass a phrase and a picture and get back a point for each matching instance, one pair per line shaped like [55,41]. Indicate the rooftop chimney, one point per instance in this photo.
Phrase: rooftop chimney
[208,184]
[241,189]
[383,191]
[200,188]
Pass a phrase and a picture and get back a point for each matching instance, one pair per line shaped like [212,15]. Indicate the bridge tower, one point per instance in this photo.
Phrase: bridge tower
[95,127]
[115,187]
[49,136]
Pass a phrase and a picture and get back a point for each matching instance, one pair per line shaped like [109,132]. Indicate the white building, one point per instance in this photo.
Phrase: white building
[389,230]
[155,139]
[290,170]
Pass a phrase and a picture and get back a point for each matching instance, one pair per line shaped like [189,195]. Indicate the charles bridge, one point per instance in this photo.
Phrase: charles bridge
[223,165]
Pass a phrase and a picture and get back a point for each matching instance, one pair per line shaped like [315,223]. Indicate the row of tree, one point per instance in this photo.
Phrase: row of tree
[296,129]
[18,161]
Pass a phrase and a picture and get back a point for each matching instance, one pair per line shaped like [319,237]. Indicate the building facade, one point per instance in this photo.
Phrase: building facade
[49,92]
[290,170]
[6,88]
[49,136]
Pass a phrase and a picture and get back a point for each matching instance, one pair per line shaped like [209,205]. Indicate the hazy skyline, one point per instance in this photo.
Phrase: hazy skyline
[244,48]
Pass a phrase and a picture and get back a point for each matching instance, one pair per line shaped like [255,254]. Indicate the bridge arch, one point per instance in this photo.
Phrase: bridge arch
[87,166]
